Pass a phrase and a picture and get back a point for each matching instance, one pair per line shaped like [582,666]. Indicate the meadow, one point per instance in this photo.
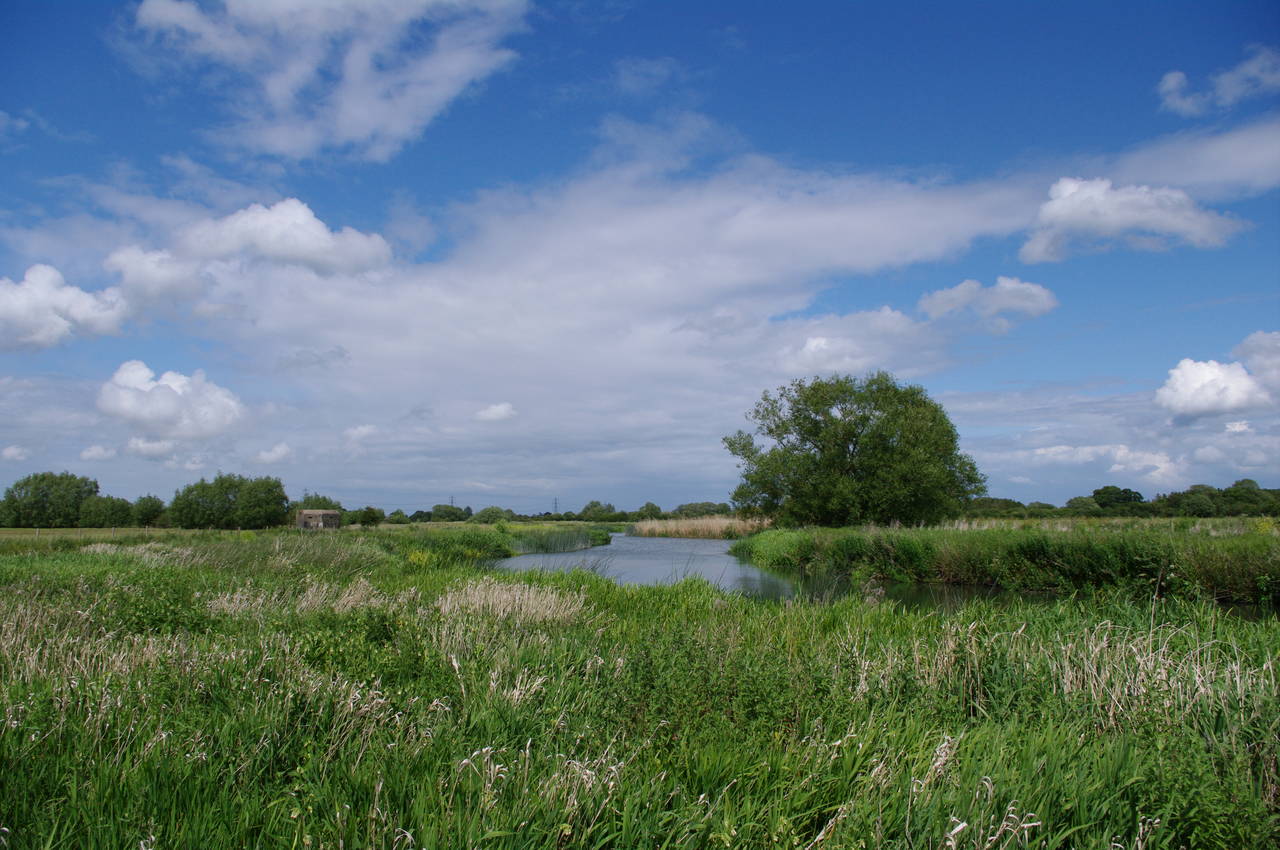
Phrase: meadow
[385,689]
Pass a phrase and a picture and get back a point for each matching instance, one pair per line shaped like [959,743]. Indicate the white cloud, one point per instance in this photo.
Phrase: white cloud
[1260,353]
[275,454]
[1240,427]
[143,447]
[97,452]
[1008,295]
[360,77]
[153,275]
[1199,388]
[1092,209]
[43,310]
[1238,162]
[15,453]
[1254,77]
[286,232]
[496,412]
[175,405]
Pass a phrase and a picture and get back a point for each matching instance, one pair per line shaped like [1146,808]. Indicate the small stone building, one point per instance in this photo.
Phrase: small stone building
[319,519]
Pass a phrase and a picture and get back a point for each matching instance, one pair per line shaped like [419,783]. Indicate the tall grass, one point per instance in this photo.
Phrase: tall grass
[1243,567]
[331,691]
[710,527]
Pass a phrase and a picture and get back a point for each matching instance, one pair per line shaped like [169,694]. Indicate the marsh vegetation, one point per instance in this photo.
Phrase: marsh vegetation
[385,689]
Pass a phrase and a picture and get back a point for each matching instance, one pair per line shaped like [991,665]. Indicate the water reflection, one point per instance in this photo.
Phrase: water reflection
[667,560]
[663,560]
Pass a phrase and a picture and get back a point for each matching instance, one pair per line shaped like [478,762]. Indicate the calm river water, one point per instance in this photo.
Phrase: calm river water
[666,560]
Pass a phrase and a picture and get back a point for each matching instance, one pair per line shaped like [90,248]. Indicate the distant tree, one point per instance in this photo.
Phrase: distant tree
[420,516]
[985,506]
[1197,504]
[1083,506]
[1112,496]
[595,511]
[843,450]
[230,501]
[147,510]
[692,510]
[466,512]
[316,502]
[447,513]
[46,500]
[106,512]
[1039,510]
[398,517]
[371,517]
[259,503]
[648,511]
[492,514]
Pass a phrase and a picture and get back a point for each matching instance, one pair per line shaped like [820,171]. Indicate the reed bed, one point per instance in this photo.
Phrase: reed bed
[333,692]
[710,527]
[1146,560]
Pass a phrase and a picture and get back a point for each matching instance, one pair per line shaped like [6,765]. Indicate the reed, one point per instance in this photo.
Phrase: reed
[710,527]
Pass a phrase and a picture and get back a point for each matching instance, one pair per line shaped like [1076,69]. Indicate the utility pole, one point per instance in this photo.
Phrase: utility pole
[556,502]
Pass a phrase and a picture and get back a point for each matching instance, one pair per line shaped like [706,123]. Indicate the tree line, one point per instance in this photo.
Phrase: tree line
[65,500]
[1243,498]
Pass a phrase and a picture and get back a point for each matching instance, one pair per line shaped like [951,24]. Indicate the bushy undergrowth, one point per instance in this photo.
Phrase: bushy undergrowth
[1242,567]
[342,691]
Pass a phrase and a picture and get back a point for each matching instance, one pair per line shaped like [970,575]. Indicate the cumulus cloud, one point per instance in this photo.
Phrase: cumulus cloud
[1145,217]
[286,232]
[1239,427]
[360,77]
[43,310]
[153,275]
[496,412]
[1155,467]
[1256,76]
[1200,388]
[97,452]
[1008,295]
[15,453]
[275,454]
[172,406]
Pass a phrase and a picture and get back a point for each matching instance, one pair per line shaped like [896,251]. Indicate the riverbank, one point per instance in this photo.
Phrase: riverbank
[335,690]
[1148,560]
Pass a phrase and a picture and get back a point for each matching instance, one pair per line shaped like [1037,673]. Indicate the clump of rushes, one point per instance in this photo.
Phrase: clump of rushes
[328,691]
[710,527]
[1243,567]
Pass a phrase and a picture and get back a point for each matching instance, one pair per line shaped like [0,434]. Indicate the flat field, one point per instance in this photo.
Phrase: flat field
[382,689]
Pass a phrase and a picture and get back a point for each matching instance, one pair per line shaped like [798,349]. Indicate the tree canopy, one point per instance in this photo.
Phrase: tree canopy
[230,501]
[46,500]
[846,451]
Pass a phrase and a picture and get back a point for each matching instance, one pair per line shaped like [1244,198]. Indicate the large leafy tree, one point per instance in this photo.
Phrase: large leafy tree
[845,451]
[46,500]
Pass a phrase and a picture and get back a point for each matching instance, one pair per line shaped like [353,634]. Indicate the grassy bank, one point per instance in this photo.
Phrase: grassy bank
[339,690]
[1244,566]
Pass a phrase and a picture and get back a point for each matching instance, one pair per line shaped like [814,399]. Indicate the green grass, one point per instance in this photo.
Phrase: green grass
[337,690]
[1145,559]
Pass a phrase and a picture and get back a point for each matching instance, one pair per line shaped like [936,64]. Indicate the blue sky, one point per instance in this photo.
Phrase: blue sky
[512,252]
